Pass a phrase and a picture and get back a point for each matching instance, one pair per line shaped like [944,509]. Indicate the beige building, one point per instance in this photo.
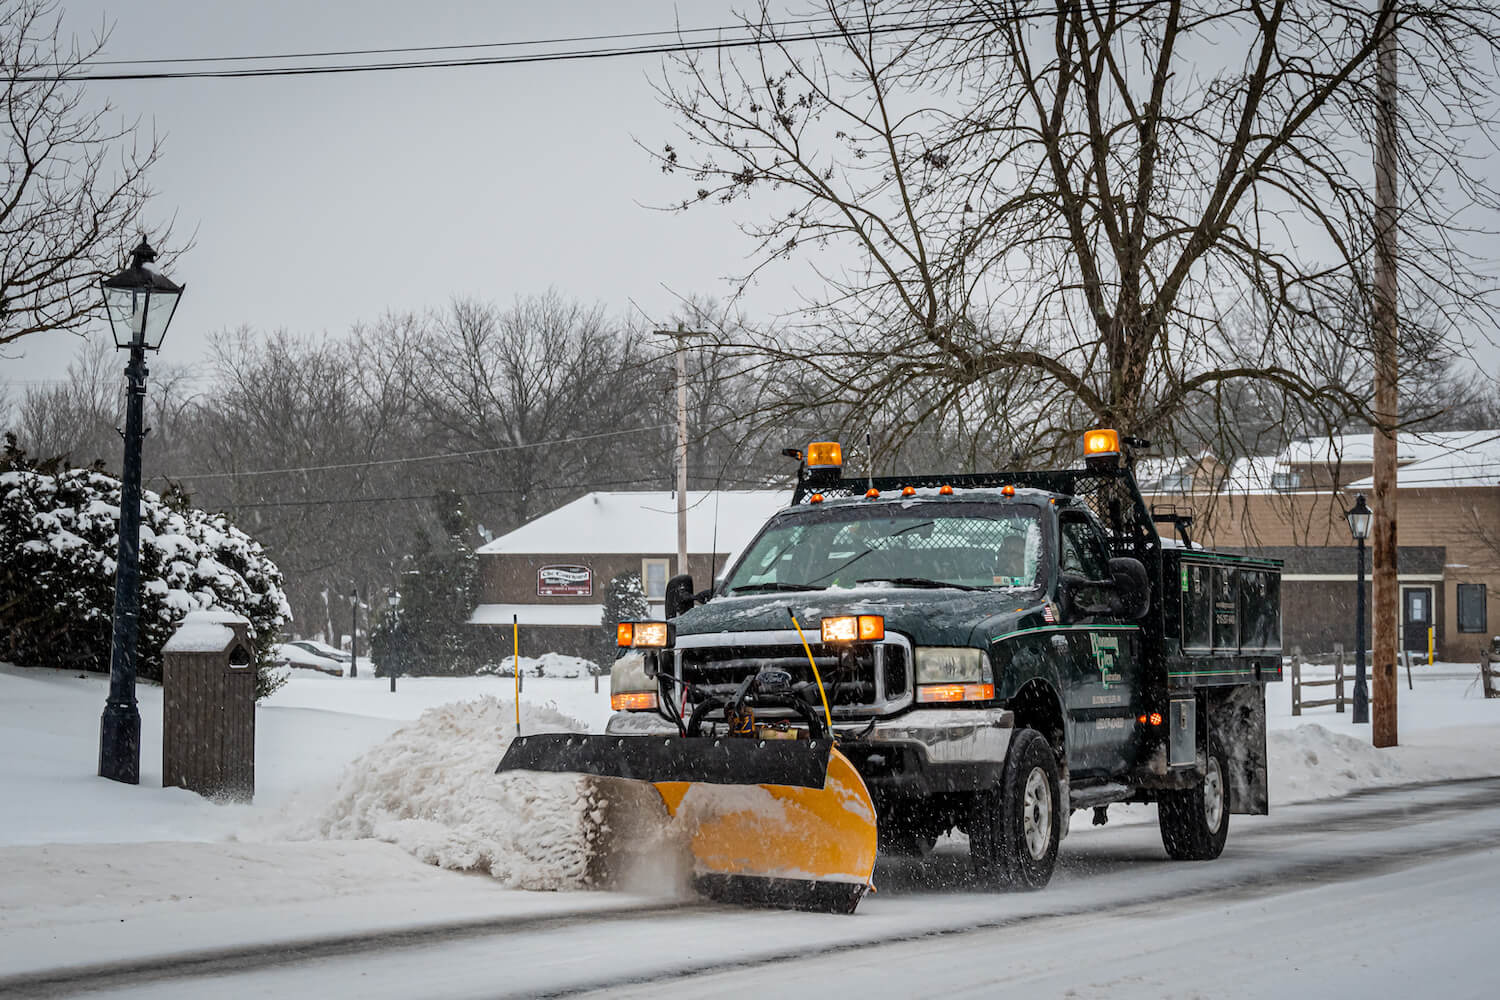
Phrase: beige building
[1291,506]
[551,574]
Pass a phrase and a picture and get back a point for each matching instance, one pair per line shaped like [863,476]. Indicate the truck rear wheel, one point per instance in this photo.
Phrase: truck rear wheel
[1195,821]
[1014,827]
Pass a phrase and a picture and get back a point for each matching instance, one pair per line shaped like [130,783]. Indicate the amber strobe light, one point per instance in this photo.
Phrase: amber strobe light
[955,692]
[854,628]
[824,455]
[636,701]
[1102,441]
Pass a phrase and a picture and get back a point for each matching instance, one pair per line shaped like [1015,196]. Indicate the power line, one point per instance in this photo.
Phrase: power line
[442,456]
[501,490]
[540,57]
[402,50]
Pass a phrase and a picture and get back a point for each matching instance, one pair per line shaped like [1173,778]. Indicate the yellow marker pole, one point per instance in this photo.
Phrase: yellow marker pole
[515,663]
[827,715]
[1431,642]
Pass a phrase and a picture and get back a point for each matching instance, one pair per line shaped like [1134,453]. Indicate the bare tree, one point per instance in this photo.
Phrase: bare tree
[75,189]
[1070,205]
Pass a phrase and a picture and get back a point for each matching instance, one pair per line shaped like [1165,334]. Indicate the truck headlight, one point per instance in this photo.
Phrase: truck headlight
[953,673]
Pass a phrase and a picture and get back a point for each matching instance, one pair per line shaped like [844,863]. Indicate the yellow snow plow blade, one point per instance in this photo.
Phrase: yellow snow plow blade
[786,823]
[780,845]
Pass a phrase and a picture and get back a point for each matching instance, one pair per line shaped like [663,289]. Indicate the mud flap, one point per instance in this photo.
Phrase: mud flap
[1237,719]
[780,823]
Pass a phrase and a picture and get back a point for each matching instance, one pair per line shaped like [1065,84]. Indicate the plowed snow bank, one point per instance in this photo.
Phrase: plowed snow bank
[431,789]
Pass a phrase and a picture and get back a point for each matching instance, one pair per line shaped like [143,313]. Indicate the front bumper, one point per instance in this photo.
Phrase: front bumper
[920,752]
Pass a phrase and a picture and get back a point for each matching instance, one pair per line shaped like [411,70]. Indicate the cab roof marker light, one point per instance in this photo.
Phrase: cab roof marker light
[872,494]
[945,490]
[908,491]
[815,498]
[1007,490]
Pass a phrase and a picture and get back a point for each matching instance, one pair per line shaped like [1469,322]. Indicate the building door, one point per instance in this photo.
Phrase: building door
[1416,618]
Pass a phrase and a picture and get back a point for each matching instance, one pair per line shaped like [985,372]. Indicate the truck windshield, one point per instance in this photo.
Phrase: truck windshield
[963,545]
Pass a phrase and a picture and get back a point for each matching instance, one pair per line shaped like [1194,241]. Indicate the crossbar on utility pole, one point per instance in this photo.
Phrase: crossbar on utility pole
[1387,413]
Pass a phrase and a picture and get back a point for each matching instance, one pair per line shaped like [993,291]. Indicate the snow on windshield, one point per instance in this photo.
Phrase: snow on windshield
[968,546]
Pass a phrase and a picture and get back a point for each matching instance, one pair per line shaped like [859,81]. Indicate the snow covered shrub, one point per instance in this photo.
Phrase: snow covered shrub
[58,542]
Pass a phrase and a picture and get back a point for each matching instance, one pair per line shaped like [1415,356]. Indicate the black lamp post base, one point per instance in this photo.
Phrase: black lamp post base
[120,743]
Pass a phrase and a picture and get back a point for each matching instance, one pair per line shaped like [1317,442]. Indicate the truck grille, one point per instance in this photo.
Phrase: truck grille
[867,679]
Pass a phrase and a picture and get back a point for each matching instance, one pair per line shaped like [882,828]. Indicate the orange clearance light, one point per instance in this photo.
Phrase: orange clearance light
[872,494]
[625,634]
[638,701]
[825,455]
[653,634]
[871,628]
[945,490]
[1007,490]
[955,692]
[1103,441]
[908,491]
[815,498]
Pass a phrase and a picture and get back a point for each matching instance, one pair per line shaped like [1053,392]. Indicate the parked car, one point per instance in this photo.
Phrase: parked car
[297,654]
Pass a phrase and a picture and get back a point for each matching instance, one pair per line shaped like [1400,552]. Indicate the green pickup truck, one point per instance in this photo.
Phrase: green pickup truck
[995,650]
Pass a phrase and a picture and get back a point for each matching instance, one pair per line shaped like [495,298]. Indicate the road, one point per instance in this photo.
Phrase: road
[1379,894]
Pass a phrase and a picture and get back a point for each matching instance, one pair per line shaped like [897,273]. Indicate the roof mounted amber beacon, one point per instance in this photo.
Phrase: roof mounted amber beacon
[1101,448]
[824,464]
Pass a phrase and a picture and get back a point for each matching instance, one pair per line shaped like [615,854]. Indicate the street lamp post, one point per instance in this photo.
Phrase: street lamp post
[394,601]
[354,631]
[139,303]
[1359,517]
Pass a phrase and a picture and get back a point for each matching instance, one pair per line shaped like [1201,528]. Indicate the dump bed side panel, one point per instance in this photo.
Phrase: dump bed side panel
[1222,618]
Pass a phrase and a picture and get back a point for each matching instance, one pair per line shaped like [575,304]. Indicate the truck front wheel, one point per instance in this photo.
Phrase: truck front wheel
[1195,821]
[1013,828]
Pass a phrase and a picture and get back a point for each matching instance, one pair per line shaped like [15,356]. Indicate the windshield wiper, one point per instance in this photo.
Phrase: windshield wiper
[916,581]
[759,588]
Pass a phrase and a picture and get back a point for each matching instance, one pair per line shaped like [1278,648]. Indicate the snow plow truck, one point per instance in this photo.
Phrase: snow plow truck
[892,659]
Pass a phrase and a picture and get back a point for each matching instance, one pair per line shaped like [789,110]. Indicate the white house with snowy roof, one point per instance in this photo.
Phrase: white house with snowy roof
[550,575]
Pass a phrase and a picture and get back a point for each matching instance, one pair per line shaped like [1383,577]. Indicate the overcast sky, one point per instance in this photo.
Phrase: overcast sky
[319,201]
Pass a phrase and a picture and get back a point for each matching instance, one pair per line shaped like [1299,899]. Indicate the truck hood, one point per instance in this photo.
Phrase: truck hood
[927,617]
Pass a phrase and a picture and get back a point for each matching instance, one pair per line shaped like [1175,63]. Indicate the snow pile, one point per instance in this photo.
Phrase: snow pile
[1311,762]
[431,789]
[546,665]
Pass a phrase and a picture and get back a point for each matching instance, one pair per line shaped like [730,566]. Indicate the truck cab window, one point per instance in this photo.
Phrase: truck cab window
[1081,552]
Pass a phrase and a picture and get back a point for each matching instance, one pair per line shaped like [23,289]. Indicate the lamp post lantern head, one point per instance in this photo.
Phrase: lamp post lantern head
[1359,517]
[140,301]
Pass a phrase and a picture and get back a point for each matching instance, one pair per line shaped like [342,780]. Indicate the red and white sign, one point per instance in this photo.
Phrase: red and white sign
[564,581]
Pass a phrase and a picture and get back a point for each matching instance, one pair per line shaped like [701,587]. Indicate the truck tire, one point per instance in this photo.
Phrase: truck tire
[1014,827]
[1195,821]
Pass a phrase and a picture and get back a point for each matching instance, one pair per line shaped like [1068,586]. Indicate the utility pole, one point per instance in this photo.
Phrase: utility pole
[682,441]
[1386,591]
[682,552]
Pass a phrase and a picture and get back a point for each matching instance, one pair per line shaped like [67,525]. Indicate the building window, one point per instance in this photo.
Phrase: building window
[1285,480]
[1177,482]
[654,578]
[1471,608]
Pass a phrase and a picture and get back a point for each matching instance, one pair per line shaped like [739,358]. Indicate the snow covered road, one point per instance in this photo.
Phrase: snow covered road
[1383,893]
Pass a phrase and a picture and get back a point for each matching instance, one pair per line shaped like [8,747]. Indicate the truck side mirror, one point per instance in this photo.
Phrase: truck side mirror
[1132,587]
[679,595]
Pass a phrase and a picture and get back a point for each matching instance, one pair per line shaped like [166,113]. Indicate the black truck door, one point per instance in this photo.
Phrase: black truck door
[1102,674]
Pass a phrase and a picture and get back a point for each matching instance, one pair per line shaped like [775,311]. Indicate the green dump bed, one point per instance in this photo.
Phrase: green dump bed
[1221,618]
